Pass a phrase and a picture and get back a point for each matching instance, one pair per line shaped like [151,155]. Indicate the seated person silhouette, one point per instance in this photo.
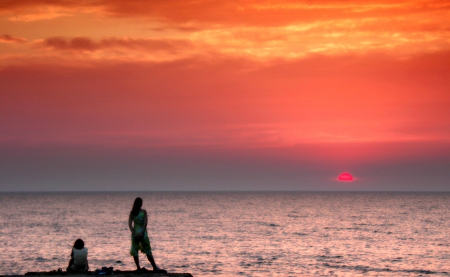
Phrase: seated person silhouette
[78,261]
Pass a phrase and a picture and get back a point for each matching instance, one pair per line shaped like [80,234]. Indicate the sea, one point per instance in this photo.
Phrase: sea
[233,233]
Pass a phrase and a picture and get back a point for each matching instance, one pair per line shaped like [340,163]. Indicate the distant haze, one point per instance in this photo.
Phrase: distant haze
[187,96]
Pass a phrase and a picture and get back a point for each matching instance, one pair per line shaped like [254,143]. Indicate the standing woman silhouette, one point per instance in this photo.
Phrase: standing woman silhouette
[137,222]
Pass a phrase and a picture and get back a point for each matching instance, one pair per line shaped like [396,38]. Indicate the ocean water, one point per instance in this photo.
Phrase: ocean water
[234,233]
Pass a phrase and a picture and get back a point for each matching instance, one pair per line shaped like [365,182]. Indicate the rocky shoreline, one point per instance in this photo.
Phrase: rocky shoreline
[116,273]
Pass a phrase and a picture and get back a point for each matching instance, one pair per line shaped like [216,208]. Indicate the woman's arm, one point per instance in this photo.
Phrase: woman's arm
[70,261]
[145,220]
[130,224]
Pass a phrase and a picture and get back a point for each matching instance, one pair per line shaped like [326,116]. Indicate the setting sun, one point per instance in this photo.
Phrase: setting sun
[345,177]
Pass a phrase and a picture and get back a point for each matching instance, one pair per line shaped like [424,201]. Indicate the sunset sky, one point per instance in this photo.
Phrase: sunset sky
[224,95]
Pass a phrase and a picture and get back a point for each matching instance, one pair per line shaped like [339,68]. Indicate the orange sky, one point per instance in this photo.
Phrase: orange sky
[338,84]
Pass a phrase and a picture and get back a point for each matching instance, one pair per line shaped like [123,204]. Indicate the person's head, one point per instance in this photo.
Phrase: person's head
[136,206]
[79,244]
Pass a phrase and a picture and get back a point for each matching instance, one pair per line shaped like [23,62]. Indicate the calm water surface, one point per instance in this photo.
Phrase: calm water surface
[234,234]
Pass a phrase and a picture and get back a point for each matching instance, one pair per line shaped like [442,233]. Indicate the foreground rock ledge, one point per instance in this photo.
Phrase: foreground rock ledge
[93,273]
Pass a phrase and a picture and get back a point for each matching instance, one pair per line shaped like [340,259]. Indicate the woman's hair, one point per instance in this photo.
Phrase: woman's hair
[136,206]
[79,244]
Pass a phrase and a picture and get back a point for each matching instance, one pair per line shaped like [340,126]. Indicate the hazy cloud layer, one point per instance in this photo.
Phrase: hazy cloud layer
[230,102]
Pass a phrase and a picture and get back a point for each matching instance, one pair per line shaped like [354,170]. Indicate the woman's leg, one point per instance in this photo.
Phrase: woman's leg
[152,261]
[69,267]
[136,261]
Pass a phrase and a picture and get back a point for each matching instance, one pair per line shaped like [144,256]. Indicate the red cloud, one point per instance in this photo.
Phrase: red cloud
[79,43]
[87,44]
[11,39]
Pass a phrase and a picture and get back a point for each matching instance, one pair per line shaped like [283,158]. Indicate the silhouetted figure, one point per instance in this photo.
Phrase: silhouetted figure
[137,222]
[78,258]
